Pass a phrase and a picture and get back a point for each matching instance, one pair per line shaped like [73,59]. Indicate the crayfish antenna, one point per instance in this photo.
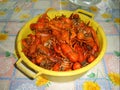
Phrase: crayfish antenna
[49,9]
[88,23]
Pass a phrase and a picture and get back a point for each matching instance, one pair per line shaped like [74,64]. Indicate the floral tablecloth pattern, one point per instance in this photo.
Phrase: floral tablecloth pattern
[15,13]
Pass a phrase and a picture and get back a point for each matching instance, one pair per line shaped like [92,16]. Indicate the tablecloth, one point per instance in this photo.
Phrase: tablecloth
[15,13]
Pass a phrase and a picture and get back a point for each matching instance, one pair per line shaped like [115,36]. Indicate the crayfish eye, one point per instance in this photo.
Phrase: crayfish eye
[50,31]
[75,16]
[33,26]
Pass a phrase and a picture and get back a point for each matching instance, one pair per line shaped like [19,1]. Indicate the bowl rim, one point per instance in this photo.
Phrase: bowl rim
[84,5]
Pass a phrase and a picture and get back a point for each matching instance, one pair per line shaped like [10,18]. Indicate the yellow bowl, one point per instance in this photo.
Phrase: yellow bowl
[32,70]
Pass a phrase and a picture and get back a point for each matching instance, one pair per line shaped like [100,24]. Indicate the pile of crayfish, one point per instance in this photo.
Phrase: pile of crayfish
[61,43]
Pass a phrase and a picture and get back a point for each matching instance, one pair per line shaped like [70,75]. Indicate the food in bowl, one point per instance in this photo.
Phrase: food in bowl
[61,43]
[32,70]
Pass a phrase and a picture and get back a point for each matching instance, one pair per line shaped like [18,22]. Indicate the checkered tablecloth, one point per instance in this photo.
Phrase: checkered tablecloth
[15,13]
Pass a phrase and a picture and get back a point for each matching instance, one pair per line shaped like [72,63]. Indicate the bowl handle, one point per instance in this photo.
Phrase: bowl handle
[90,15]
[27,69]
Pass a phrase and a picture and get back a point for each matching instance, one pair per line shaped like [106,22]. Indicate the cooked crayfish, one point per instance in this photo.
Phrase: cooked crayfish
[62,43]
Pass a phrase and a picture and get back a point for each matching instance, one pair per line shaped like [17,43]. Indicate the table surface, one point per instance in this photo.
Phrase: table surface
[15,13]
